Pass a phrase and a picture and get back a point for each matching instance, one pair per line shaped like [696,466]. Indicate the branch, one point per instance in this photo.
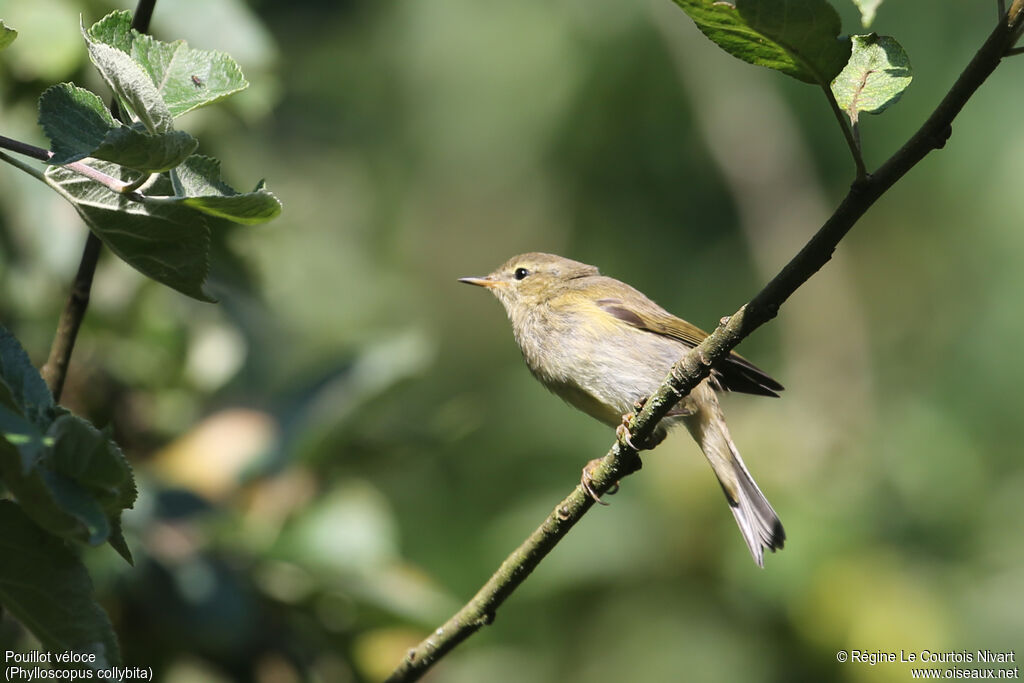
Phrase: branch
[56,368]
[108,181]
[622,460]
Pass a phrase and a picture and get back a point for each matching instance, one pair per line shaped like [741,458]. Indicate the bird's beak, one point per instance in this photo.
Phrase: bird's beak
[480,281]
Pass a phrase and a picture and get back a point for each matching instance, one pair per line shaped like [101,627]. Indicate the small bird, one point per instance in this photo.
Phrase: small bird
[604,347]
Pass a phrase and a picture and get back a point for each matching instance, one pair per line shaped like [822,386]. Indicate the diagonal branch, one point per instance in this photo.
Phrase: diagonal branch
[56,368]
[622,460]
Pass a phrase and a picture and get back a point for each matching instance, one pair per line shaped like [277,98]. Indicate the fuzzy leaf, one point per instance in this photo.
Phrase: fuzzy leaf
[75,120]
[800,38]
[165,241]
[115,30]
[131,84]
[198,184]
[142,151]
[187,78]
[79,126]
[877,74]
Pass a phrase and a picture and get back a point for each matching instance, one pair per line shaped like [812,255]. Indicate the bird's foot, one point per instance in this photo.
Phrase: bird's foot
[587,481]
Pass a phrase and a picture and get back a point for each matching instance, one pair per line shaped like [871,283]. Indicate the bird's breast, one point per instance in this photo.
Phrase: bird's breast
[595,363]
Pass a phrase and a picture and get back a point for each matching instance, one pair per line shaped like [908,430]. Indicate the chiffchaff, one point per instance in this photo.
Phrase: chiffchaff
[602,346]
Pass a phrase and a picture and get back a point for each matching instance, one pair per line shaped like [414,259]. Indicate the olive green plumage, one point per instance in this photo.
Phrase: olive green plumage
[602,345]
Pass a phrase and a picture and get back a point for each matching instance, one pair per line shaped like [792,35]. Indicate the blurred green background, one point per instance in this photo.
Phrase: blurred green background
[339,454]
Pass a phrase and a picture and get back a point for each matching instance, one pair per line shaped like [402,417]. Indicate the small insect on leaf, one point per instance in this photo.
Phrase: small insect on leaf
[196,81]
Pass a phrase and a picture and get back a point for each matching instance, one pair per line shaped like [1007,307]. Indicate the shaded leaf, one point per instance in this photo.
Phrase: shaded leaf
[198,184]
[165,241]
[867,10]
[47,588]
[146,152]
[61,512]
[25,438]
[89,457]
[877,74]
[131,84]
[800,38]
[21,386]
[7,35]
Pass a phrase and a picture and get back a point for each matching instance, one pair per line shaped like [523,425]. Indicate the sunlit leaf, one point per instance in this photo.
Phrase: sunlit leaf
[187,78]
[198,183]
[800,38]
[131,84]
[877,74]
[115,30]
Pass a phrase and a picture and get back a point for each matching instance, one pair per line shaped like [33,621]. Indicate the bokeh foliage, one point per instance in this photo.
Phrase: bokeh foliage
[339,454]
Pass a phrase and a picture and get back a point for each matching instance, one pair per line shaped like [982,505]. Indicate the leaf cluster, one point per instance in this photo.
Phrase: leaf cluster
[71,483]
[161,200]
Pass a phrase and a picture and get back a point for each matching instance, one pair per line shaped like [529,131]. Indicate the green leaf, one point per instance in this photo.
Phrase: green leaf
[75,120]
[79,125]
[877,74]
[7,35]
[53,502]
[164,241]
[115,30]
[144,152]
[867,10]
[187,78]
[199,185]
[47,588]
[90,458]
[23,436]
[21,386]
[800,38]
[131,84]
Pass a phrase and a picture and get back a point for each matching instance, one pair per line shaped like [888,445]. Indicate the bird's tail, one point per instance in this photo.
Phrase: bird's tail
[755,516]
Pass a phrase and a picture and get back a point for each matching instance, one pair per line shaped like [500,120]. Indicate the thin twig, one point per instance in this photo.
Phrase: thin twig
[56,368]
[697,363]
[852,140]
[108,181]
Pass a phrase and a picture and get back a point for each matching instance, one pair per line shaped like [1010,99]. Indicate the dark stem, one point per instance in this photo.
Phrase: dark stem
[56,368]
[621,460]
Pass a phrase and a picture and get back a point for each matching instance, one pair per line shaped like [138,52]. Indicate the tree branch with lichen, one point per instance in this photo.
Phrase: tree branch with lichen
[621,460]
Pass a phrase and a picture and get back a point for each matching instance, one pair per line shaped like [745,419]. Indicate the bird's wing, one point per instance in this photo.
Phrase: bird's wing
[735,373]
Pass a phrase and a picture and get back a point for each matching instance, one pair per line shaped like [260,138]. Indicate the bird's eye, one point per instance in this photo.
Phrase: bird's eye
[520,273]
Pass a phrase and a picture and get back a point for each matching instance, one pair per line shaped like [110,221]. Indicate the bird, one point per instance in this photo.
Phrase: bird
[604,347]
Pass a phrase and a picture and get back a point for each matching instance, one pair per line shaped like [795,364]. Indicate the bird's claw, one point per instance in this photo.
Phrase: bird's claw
[587,481]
